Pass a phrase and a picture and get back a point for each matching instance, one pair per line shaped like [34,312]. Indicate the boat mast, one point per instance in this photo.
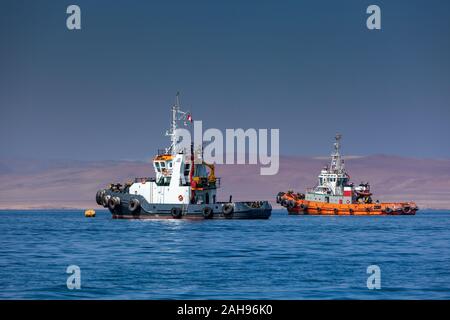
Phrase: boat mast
[173,126]
[172,132]
[337,164]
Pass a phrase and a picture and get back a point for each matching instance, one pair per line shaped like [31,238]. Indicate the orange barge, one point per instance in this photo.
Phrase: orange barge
[335,195]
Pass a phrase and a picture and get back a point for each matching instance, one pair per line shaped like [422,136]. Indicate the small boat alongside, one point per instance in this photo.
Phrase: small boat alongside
[334,194]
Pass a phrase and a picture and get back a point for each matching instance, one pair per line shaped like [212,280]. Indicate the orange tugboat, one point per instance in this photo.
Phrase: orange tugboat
[335,195]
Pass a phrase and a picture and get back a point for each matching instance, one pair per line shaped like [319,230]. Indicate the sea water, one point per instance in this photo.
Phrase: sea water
[285,257]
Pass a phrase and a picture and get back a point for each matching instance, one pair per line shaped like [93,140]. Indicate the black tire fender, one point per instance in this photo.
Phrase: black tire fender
[105,200]
[291,204]
[113,203]
[279,195]
[99,196]
[176,213]
[406,210]
[208,213]
[228,209]
[134,205]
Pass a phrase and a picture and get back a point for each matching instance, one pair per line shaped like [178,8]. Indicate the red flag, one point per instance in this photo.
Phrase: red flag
[189,118]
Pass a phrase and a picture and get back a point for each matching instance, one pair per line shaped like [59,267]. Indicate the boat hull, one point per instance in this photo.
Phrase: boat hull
[146,210]
[304,207]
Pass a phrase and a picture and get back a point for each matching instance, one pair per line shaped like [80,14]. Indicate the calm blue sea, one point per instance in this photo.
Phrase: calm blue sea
[286,257]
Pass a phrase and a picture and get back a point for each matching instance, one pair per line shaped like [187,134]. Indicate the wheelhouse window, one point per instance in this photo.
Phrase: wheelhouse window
[187,168]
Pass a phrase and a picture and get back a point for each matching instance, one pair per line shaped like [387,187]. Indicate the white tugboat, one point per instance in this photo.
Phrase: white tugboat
[185,187]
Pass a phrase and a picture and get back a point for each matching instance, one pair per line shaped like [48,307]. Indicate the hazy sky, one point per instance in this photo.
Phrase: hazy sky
[309,68]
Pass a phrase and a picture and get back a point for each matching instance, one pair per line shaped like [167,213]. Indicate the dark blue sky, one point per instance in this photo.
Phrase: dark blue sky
[309,68]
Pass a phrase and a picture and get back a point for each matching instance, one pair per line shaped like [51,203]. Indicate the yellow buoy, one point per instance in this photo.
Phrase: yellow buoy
[89,213]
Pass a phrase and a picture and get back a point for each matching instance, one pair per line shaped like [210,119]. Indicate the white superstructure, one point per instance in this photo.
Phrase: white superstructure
[333,181]
[179,179]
